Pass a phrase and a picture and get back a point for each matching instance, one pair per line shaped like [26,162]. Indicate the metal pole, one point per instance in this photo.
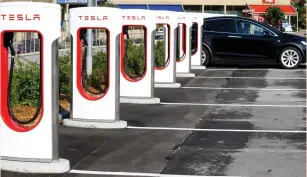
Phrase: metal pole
[89,58]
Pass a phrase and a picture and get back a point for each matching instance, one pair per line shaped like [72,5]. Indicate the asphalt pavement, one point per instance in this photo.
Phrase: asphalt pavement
[226,121]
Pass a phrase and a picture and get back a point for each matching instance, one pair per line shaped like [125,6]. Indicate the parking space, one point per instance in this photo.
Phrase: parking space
[225,122]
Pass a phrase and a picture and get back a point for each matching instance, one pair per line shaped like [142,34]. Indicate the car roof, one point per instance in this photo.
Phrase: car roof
[243,18]
[227,17]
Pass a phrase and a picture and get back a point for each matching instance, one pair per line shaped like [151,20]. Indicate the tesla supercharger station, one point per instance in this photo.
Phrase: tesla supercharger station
[196,53]
[183,62]
[95,111]
[139,90]
[31,149]
[165,76]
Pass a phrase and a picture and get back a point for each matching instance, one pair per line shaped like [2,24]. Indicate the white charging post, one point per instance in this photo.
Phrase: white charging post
[165,76]
[196,54]
[100,111]
[32,149]
[183,63]
[139,90]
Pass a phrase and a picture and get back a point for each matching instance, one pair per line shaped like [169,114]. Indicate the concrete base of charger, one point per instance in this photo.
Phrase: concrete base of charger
[185,74]
[167,85]
[141,100]
[198,67]
[94,124]
[59,166]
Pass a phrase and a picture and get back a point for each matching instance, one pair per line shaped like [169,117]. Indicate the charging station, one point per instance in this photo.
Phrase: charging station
[183,60]
[31,146]
[165,76]
[196,52]
[87,109]
[140,89]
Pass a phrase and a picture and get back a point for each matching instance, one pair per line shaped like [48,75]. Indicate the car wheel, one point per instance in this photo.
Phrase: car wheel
[205,56]
[290,58]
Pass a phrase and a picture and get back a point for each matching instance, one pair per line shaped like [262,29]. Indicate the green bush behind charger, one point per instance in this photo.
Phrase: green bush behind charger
[26,77]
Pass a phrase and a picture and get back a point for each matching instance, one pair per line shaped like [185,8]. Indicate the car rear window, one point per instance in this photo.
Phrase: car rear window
[220,25]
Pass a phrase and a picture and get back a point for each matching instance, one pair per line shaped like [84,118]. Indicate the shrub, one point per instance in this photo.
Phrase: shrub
[98,78]
[25,84]
[64,76]
[159,54]
[134,64]
[26,76]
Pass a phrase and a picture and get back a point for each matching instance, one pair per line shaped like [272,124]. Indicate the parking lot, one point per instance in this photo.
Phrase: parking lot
[227,121]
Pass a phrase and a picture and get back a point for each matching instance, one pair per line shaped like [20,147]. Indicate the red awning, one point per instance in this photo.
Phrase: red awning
[287,9]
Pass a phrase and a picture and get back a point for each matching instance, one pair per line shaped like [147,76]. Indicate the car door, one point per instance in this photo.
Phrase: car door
[216,32]
[255,40]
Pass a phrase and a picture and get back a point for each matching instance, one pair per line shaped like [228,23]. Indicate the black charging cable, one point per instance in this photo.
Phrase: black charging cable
[8,43]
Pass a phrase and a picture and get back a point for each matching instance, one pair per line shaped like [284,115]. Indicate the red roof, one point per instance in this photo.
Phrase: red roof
[287,9]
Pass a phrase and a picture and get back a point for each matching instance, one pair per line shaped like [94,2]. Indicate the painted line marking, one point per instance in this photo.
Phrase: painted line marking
[266,78]
[87,172]
[247,88]
[236,105]
[231,120]
[252,69]
[259,150]
[216,130]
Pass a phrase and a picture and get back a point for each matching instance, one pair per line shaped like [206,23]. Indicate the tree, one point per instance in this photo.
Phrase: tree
[301,17]
[273,15]
[299,3]
[301,11]
[106,3]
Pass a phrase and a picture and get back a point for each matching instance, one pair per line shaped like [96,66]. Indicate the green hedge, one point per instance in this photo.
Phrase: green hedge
[26,77]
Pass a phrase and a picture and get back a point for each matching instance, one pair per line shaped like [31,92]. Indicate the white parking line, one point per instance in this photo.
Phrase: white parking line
[236,105]
[252,69]
[231,120]
[247,88]
[216,130]
[87,172]
[263,78]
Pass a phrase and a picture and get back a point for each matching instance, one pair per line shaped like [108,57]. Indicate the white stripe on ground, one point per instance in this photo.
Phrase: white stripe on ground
[236,105]
[248,88]
[252,69]
[263,78]
[216,130]
[88,172]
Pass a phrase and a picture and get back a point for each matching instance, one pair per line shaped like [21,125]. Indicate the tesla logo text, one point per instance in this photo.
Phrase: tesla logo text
[93,18]
[20,17]
[162,17]
[134,18]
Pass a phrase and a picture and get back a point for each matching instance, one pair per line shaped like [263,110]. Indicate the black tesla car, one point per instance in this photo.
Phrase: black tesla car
[243,40]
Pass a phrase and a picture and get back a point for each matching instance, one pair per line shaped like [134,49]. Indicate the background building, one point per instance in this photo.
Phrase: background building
[226,7]
[249,8]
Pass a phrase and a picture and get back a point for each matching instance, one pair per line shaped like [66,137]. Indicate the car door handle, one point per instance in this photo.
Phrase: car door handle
[234,36]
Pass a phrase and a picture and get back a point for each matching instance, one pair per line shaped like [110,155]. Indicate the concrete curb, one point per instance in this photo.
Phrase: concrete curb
[198,67]
[59,166]
[167,85]
[185,74]
[133,100]
[92,124]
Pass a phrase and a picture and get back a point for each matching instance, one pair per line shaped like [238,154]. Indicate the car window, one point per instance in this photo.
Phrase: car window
[245,27]
[220,25]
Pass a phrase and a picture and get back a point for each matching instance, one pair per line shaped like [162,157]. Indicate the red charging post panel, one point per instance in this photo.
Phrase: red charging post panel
[5,114]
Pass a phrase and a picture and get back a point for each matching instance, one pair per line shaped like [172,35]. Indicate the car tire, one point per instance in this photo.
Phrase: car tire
[290,58]
[205,56]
